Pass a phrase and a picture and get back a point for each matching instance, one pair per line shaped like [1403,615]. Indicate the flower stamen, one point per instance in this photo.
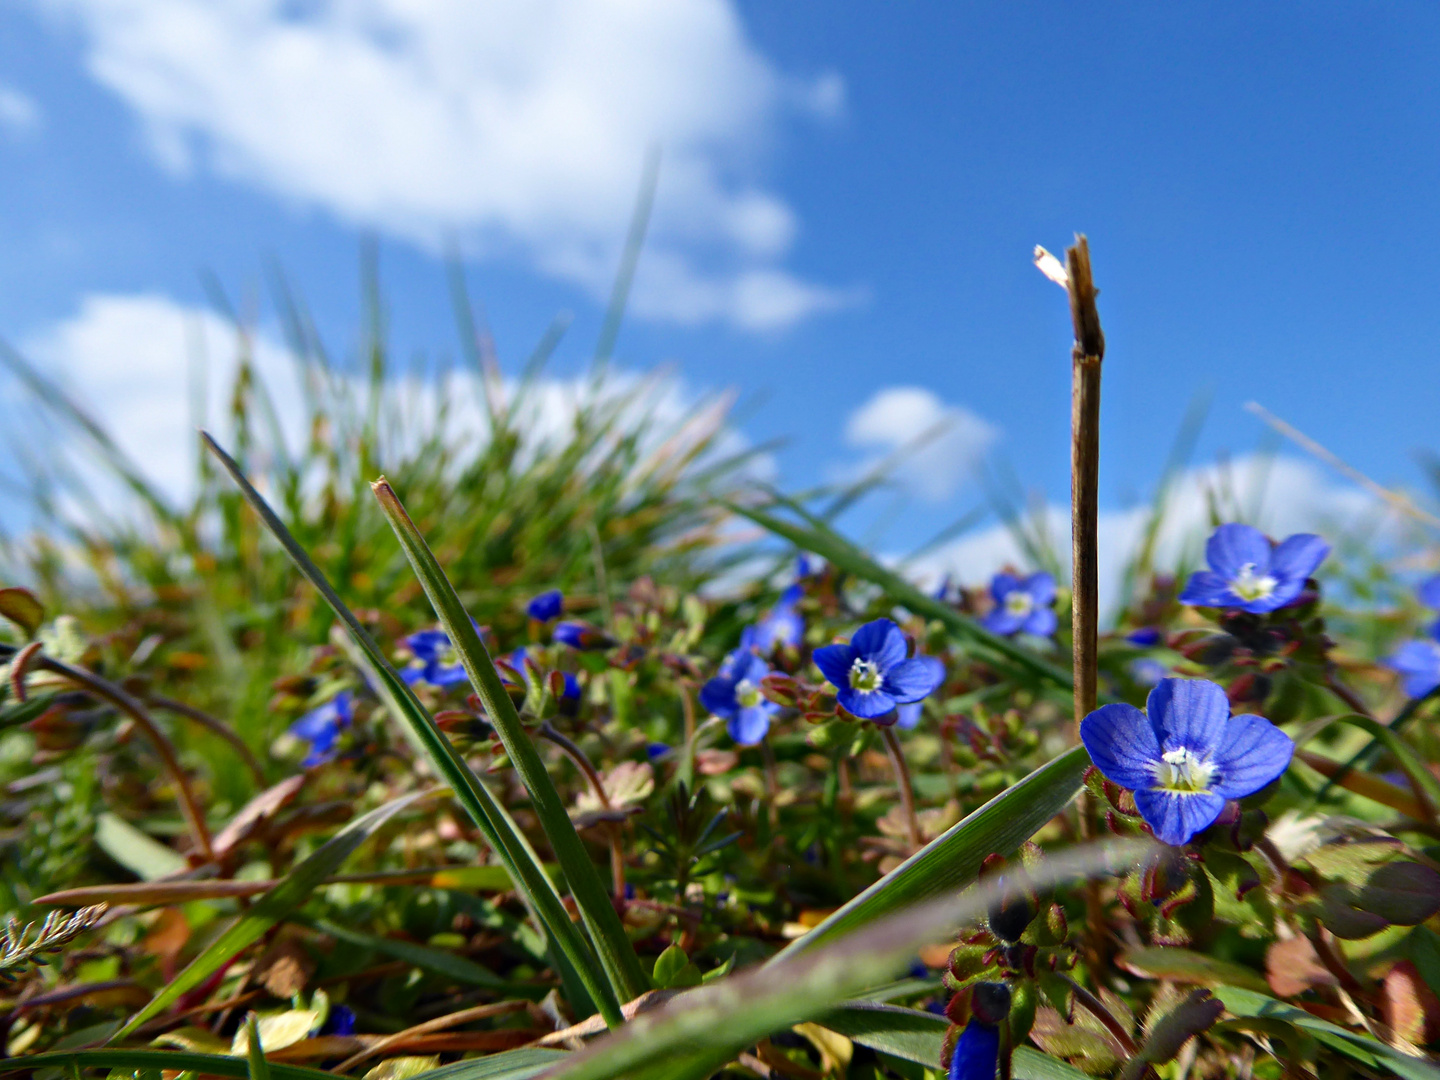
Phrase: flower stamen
[1183,772]
[1019,603]
[747,694]
[864,675]
[1249,585]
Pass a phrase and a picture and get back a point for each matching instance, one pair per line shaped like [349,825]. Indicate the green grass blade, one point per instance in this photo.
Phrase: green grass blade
[525,870]
[288,894]
[1409,760]
[919,1036]
[1361,1048]
[706,1027]
[952,860]
[607,932]
[436,961]
[834,548]
[511,1065]
[259,1067]
[177,1060]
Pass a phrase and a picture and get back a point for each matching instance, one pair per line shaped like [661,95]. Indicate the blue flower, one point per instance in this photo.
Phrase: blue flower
[977,1052]
[570,688]
[432,648]
[734,696]
[1187,757]
[1428,592]
[782,624]
[546,606]
[320,727]
[341,1021]
[1147,672]
[1419,662]
[873,675]
[907,716]
[1022,605]
[1144,637]
[656,750]
[582,636]
[1246,572]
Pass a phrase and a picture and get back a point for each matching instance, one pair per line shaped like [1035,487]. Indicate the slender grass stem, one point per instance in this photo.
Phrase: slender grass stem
[215,726]
[116,696]
[597,785]
[902,781]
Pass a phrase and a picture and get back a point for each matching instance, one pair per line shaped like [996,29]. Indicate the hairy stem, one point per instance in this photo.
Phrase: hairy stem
[1096,1008]
[902,781]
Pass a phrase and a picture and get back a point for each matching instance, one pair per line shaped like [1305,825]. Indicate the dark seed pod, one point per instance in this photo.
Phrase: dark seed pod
[990,1002]
[1010,915]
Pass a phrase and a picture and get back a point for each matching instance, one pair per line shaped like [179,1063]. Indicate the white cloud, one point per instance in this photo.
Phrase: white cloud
[19,113]
[134,363]
[936,446]
[1290,494]
[520,125]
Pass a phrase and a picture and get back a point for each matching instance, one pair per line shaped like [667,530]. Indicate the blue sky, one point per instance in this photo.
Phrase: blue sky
[848,200]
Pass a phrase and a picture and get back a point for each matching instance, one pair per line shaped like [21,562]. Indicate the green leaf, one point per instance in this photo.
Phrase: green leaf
[673,970]
[288,894]
[919,1037]
[167,1060]
[139,853]
[435,961]
[1185,966]
[1361,1048]
[952,860]
[1426,786]
[607,932]
[700,1030]
[511,1065]
[826,542]
[255,1051]
[489,816]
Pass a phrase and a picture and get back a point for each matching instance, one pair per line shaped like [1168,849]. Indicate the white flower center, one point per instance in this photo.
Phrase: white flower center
[1249,585]
[747,694]
[1181,771]
[1019,603]
[864,676]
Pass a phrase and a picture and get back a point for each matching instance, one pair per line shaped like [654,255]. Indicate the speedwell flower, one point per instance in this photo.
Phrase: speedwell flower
[432,648]
[873,675]
[734,696]
[582,636]
[546,606]
[320,727]
[1246,572]
[1187,756]
[1022,604]
[782,624]
[977,1051]
[1418,662]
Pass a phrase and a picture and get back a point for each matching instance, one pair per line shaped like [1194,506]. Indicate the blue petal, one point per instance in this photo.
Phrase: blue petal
[314,724]
[880,642]
[1297,557]
[783,626]
[1419,662]
[428,644]
[977,1052]
[913,679]
[1192,713]
[834,662]
[1041,587]
[1002,585]
[1001,621]
[1122,744]
[1041,623]
[1232,546]
[1208,589]
[571,692]
[791,596]
[1177,816]
[413,675]
[866,704]
[1428,592]
[1253,752]
[750,726]
[1144,637]
[546,606]
[907,715]
[441,675]
[718,696]
[751,668]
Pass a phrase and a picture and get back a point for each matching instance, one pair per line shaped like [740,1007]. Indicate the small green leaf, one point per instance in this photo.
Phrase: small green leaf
[674,971]
[952,860]
[1184,966]
[139,853]
[20,607]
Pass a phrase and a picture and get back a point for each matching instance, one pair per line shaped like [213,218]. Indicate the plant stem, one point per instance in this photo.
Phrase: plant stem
[1085,356]
[1096,1008]
[108,691]
[597,785]
[902,781]
[215,726]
